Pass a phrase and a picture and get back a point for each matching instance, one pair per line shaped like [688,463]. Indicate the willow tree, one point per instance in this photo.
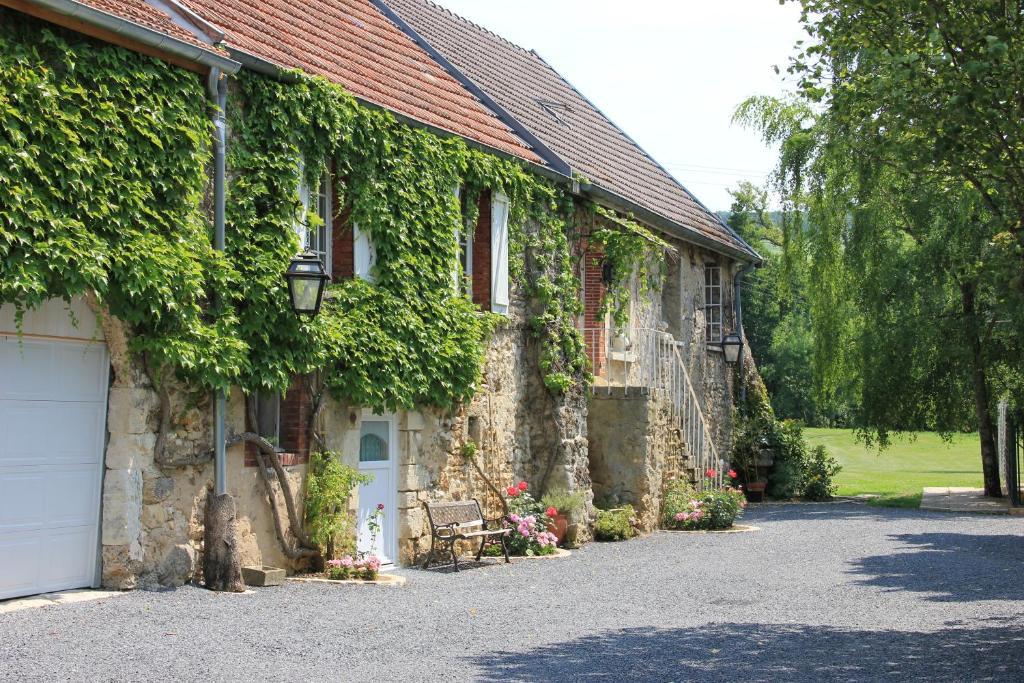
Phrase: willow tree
[897,148]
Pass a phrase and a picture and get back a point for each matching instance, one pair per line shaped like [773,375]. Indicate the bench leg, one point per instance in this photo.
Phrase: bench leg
[504,548]
[479,553]
[430,555]
[455,556]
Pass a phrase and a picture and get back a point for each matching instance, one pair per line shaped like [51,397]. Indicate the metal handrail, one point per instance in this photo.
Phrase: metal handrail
[651,359]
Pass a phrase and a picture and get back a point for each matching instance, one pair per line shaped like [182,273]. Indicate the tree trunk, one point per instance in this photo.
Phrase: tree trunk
[222,569]
[982,401]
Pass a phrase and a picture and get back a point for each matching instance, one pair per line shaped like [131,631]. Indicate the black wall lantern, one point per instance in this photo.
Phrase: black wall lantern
[307,281]
[732,345]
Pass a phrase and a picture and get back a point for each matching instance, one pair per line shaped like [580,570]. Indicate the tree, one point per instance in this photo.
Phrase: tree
[898,147]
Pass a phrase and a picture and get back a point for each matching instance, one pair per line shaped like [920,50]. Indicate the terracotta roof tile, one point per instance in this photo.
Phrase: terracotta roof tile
[142,13]
[350,42]
[560,117]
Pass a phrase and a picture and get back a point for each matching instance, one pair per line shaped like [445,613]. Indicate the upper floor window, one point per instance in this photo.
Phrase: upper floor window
[315,233]
[713,303]
[464,237]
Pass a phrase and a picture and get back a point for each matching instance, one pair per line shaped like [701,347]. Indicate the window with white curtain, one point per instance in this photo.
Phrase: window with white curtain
[365,254]
[499,253]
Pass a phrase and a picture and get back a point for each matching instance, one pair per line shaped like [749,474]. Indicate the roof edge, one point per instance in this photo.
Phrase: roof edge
[667,226]
[276,71]
[558,164]
[131,31]
[647,154]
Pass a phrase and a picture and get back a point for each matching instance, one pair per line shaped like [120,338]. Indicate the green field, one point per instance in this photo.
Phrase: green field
[898,473]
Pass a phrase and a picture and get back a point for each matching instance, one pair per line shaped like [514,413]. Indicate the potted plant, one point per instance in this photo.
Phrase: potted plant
[560,506]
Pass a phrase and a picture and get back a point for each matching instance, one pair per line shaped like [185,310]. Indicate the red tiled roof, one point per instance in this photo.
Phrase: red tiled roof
[142,13]
[350,42]
[535,94]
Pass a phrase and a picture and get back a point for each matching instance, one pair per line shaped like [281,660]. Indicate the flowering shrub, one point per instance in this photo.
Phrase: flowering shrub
[686,509]
[529,520]
[365,568]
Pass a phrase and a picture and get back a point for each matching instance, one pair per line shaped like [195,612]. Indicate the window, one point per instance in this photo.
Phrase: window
[713,303]
[315,233]
[464,272]
[365,256]
[499,254]
[268,417]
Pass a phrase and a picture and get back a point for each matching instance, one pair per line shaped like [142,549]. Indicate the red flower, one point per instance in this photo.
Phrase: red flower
[710,474]
[512,491]
[551,511]
[380,506]
[523,486]
[732,474]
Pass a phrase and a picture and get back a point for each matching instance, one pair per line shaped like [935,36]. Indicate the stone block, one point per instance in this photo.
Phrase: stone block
[129,410]
[178,566]
[412,523]
[122,507]
[130,451]
[263,576]
[157,490]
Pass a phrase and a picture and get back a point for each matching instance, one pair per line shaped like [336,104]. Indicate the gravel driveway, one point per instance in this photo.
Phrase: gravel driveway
[821,592]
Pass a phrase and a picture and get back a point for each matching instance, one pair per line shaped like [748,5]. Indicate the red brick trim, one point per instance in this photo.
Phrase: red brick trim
[482,254]
[593,298]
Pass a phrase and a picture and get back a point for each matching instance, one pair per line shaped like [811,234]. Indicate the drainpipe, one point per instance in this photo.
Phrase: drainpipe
[218,90]
[738,311]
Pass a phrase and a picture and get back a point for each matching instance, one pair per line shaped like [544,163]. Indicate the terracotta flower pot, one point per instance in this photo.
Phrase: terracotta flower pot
[755,490]
[559,526]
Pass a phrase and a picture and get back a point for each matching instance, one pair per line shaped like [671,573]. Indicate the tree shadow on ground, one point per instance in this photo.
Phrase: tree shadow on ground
[953,567]
[770,652]
[839,510]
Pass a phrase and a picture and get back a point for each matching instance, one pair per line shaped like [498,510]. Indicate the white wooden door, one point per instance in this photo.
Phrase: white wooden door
[377,455]
[52,434]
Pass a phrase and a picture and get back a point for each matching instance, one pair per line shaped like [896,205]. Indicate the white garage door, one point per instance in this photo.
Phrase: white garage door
[52,433]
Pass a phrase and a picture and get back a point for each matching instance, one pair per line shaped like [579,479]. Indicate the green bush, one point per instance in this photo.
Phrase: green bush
[615,525]
[785,480]
[820,470]
[329,487]
[685,508]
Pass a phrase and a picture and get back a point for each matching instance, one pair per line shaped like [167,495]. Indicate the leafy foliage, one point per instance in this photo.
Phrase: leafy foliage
[104,194]
[631,253]
[911,179]
[101,191]
[615,525]
[329,488]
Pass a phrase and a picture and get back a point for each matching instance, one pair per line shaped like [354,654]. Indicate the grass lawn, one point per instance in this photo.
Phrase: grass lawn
[898,473]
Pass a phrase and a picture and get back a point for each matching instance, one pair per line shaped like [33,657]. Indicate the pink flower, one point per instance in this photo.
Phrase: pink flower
[732,474]
[333,563]
[515,518]
[551,511]
[380,506]
[681,516]
[523,486]
[373,562]
[346,561]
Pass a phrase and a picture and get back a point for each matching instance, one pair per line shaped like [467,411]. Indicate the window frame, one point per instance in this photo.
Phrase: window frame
[277,399]
[714,321]
[501,287]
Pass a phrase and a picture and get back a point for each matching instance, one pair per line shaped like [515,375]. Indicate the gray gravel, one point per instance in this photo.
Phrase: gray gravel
[822,592]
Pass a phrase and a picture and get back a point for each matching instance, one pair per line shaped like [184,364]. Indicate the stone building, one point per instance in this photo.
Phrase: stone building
[132,462]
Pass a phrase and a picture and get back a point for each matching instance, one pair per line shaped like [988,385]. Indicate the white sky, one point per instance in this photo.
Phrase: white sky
[669,72]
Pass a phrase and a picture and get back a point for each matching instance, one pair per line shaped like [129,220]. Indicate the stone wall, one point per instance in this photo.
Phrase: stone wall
[635,448]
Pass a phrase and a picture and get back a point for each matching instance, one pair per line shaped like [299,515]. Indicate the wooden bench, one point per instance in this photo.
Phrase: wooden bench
[462,521]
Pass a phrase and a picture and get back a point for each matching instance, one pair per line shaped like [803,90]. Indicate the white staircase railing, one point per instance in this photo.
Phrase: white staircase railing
[651,359]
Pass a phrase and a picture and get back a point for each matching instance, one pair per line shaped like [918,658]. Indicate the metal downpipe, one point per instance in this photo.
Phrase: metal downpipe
[738,306]
[218,90]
